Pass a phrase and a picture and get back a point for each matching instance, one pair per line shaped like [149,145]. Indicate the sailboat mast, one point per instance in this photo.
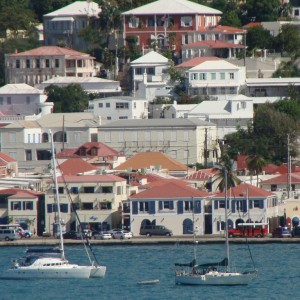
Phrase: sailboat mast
[194,231]
[57,197]
[226,220]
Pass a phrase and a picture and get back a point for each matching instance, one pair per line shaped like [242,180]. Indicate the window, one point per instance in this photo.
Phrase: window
[27,63]
[123,118]
[231,90]
[213,76]
[61,189]
[100,105]
[18,64]
[16,205]
[186,21]
[244,104]
[231,75]
[47,63]
[107,189]
[122,105]
[28,154]
[134,22]
[27,205]
[188,206]
[1,100]
[105,205]
[27,100]
[37,63]
[222,90]
[202,76]
[256,203]
[222,76]
[151,71]
[138,71]
[107,105]
[194,76]
[150,22]
[221,204]
[8,100]
[89,189]
[214,91]
[144,207]
[56,63]
[296,12]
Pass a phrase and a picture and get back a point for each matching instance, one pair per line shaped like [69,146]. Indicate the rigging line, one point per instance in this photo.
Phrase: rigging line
[78,219]
[247,240]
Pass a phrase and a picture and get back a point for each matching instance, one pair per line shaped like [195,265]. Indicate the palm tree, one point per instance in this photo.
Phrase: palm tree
[226,169]
[255,164]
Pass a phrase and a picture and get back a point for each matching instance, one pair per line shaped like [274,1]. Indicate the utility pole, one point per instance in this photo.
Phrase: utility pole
[289,189]
[205,148]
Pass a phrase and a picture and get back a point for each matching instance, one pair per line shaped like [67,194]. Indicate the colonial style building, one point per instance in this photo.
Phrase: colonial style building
[64,24]
[187,140]
[40,64]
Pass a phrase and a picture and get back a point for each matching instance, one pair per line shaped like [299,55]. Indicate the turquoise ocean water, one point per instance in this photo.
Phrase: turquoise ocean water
[278,265]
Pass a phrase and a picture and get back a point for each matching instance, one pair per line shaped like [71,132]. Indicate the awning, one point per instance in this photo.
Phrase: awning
[62,19]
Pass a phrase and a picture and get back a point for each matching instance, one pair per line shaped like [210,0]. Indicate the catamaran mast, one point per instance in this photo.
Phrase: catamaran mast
[226,220]
[57,198]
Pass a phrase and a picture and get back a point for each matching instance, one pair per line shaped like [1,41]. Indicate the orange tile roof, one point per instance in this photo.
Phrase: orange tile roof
[241,191]
[146,159]
[228,29]
[197,61]
[6,157]
[16,191]
[90,178]
[74,166]
[50,51]
[170,190]
[252,24]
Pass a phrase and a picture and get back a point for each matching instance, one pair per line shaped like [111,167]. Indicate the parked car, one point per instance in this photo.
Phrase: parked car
[282,232]
[149,230]
[122,234]
[24,233]
[72,235]
[103,235]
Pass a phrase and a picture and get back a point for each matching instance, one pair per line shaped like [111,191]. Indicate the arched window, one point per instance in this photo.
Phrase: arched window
[188,227]
[238,221]
[60,136]
[146,222]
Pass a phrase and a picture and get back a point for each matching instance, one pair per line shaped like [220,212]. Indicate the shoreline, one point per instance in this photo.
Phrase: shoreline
[42,241]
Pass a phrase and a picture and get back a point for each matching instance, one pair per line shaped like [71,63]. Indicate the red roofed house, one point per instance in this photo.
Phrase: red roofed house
[97,199]
[8,165]
[247,203]
[170,24]
[170,205]
[43,63]
[24,207]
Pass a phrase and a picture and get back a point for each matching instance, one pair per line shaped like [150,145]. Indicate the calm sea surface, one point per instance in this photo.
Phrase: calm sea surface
[278,265]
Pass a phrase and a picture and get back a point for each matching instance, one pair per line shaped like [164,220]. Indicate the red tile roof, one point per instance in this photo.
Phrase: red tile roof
[196,61]
[16,191]
[75,166]
[252,24]
[241,162]
[51,51]
[170,190]
[6,157]
[283,179]
[146,159]
[241,191]
[229,29]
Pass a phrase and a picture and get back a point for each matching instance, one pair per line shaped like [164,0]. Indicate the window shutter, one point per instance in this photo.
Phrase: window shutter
[233,206]
[244,205]
[261,204]
[134,207]
[171,204]
[250,204]
[160,205]
[216,204]
[49,208]
[152,207]
[197,209]
[180,207]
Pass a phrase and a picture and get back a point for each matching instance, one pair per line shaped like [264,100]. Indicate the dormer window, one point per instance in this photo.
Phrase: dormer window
[186,21]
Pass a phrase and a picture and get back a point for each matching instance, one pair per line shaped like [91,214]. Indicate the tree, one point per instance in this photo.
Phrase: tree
[226,169]
[67,99]
[258,38]
[255,164]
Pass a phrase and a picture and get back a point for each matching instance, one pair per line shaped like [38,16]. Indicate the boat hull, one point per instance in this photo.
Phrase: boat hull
[98,272]
[219,278]
[31,273]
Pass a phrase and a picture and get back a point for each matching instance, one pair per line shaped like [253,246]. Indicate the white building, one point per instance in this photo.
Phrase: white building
[120,107]
[95,85]
[64,24]
[150,72]
[23,99]
[215,78]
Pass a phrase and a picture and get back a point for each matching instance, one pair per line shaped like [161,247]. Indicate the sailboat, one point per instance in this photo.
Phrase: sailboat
[214,273]
[52,264]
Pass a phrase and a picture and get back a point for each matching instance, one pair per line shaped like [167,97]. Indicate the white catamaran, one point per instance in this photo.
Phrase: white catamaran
[48,264]
[215,273]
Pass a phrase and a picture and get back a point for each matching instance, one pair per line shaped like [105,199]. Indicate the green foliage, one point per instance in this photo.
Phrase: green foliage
[231,18]
[67,99]
[258,38]
[287,69]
